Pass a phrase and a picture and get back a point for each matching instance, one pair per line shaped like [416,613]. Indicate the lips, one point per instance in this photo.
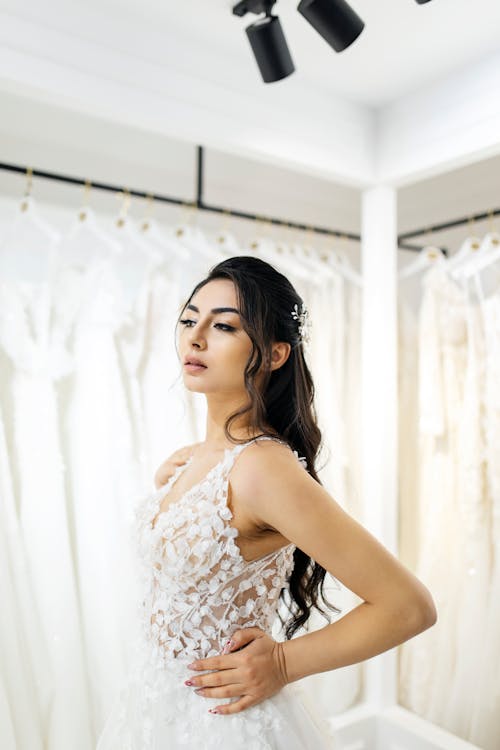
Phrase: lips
[194,361]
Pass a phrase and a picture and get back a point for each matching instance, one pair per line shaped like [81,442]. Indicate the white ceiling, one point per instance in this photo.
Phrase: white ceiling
[403,47]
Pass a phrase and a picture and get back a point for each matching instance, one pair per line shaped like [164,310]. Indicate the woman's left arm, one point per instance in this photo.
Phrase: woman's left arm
[396,606]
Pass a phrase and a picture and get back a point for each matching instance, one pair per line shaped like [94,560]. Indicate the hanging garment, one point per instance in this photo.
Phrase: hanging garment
[24,666]
[407,432]
[442,364]
[163,391]
[198,590]
[103,474]
[485,700]
[131,346]
[474,517]
[35,363]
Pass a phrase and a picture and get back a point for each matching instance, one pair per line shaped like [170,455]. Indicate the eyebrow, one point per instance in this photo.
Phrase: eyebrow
[214,310]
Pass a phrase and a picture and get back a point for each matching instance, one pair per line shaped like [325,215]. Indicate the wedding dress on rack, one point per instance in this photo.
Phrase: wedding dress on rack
[457,427]
[31,347]
[473,566]
[103,468]
[485,704]
[24,664]
[410,280]
[441,367]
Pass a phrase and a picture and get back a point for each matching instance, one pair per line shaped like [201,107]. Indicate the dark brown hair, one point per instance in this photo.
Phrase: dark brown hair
[285,401]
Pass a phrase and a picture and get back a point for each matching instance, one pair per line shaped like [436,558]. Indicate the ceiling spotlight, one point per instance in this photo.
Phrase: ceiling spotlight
[421,2]
[334,20]
[267,40]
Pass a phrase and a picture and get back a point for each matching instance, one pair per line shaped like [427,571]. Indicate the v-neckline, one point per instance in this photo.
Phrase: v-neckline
[175,476]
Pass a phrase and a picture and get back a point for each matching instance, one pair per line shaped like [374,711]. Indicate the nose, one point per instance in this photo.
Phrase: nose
[195,337]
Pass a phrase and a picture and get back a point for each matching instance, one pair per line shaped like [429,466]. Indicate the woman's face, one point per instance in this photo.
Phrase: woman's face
[215,338]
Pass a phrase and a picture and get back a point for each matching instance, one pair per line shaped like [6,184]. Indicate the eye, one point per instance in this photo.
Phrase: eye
[223,325]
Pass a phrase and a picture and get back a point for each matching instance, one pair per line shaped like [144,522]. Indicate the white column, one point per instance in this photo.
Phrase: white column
[379,402]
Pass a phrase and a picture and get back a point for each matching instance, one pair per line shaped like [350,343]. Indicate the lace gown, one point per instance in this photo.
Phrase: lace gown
[198,590]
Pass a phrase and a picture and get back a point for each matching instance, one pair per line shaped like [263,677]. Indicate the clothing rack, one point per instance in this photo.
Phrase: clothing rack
[202,206]
[199,203]
[447,225]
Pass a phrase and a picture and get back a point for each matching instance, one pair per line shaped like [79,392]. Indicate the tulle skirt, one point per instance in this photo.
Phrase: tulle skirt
[155,710]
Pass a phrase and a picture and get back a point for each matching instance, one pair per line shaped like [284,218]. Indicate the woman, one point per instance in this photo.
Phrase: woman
[221,540]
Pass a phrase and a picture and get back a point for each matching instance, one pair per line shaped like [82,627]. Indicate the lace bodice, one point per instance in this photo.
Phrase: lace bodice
[198,589]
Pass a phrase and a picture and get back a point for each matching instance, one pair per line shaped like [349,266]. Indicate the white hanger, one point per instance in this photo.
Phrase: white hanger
[195,240]
[482,261]
[279,253]
[28,250]
[468,248]
[86,241]
[308,256]
[227,243]
[164,241]
[340,265]
[486,254]
[428,256]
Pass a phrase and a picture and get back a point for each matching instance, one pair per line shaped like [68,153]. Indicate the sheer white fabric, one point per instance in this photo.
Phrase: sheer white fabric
[448,673]
[33,361]
[197,591]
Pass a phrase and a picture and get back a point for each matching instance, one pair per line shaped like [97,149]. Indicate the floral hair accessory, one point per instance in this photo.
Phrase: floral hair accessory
[304,322]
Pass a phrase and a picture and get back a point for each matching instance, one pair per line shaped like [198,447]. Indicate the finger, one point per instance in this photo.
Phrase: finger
[245,635]
[233,708]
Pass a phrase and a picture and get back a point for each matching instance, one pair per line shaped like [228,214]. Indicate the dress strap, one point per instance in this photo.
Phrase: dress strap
[238,448]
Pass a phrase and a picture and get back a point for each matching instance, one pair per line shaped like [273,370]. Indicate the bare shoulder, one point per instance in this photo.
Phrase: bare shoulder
[263,458]
[168,467]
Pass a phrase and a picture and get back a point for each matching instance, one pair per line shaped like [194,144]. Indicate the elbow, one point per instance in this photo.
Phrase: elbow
[423,612]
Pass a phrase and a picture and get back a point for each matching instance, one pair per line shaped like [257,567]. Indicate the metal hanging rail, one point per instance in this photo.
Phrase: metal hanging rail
[198,203]
[448,225]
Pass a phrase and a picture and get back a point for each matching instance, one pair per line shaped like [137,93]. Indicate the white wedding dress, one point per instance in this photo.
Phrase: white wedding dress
[198,590]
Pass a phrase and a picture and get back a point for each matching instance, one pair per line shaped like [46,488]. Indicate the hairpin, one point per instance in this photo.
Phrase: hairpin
[304,322]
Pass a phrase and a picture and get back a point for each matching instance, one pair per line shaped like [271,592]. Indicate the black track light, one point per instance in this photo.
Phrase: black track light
[267,40]
[334,20]
[422,2]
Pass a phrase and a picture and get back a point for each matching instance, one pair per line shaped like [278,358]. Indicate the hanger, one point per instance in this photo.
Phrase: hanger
[483,256]
[279,253]
[307,255]
[428,256]
[28,251]
[336,261]
[195,240]
[85,240]
[481,261]
[226,241]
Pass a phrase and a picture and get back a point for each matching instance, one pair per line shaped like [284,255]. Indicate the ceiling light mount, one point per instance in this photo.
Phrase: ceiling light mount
[253,6]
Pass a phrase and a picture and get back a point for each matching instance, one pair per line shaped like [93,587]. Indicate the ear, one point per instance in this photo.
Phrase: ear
[280,353]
